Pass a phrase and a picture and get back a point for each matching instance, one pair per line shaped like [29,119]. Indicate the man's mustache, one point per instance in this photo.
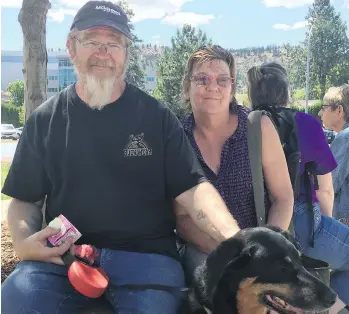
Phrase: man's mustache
[102,63]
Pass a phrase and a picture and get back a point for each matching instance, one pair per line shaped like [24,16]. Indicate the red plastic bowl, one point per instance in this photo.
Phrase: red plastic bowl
[89,281]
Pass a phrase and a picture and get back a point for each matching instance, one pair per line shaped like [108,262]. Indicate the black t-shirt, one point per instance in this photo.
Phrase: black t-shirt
[112,172]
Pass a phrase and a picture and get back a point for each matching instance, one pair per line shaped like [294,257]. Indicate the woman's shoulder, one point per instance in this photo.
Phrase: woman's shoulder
[341,141]
[308,123]
[240,110]
[305,118]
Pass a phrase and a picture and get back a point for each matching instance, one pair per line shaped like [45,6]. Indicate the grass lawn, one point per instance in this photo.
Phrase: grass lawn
[5,167]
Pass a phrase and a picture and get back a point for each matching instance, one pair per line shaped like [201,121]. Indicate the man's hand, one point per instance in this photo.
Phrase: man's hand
[35,247]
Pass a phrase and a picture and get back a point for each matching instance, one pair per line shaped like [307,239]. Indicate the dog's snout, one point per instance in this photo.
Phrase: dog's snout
[329,298]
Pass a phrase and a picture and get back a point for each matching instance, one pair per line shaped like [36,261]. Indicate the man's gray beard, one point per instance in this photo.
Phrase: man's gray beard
[98,91]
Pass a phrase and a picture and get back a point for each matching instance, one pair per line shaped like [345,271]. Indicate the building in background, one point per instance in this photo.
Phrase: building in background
[60,71]
[12,65]
[66,74]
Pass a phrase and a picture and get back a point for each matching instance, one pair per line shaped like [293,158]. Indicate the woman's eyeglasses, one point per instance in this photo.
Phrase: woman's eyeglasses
[205,80]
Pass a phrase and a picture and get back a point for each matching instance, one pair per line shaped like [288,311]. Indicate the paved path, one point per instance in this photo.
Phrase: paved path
[6,159]
[4,208]
[8,149]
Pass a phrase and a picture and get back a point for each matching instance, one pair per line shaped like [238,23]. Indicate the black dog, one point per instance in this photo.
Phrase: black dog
[257,270]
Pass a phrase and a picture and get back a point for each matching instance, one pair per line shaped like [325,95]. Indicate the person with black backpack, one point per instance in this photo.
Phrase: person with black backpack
[310,162]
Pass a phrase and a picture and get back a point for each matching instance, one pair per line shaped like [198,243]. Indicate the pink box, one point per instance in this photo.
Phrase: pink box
[67,230]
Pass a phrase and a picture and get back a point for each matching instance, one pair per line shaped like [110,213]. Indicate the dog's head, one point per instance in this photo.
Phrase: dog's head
[261,267]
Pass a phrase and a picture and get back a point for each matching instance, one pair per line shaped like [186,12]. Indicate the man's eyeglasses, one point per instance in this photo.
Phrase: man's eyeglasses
[96,45]
[205,80]
[325,106]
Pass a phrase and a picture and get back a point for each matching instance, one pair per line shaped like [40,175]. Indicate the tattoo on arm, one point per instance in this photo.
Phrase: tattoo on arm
[214,233]
[201,215]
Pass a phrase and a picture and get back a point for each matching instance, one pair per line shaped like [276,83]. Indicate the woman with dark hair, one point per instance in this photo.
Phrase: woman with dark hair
[269,87]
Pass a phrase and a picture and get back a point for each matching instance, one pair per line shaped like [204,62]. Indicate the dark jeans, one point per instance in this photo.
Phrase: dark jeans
[38,287]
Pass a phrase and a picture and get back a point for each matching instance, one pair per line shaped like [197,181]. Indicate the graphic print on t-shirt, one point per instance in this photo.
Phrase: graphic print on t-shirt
[137,146]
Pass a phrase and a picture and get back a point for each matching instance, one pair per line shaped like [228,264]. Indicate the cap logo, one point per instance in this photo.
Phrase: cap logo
[106,9]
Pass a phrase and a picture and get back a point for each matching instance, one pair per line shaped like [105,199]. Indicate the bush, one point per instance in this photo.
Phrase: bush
[243,99]
[12,115]
[313,109]
[298,94]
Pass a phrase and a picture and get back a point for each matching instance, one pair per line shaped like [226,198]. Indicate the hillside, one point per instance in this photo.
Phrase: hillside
[245,58]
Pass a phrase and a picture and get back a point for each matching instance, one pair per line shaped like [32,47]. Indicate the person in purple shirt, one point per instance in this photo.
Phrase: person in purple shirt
[268,84]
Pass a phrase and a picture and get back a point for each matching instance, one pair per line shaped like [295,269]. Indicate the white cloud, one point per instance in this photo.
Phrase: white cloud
[11,3]
[58,15]
[287,27]
[181,18]
[287,3]
[143,9]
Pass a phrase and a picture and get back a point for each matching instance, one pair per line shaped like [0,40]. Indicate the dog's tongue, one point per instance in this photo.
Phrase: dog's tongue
[298,311]
[289,308]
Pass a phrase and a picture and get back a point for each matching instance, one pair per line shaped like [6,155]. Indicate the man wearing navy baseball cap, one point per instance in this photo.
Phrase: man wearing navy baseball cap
[102,14]
[111,159]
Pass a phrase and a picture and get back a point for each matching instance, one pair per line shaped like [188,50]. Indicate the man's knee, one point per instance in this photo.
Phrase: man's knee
[34,287]
[18,291]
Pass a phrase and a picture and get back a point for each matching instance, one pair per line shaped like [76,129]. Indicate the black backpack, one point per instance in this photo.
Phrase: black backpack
[286,126]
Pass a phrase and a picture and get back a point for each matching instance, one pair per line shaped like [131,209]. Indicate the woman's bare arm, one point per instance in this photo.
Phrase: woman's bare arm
[325,194]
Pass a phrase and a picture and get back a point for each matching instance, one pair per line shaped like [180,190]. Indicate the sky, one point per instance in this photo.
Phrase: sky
[229,23]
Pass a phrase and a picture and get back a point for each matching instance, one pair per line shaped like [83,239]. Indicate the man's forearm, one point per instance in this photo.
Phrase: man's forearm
[280,214]
[24,219]
[209,212]
[190,232]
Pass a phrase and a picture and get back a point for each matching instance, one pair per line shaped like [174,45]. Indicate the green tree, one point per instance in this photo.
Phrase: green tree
[329,42]
[339,74]
[294,60]
[16,89]
[134,72]
[172,64]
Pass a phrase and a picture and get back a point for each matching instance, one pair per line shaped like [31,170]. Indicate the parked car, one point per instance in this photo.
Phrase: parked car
[330,135]
[9,131]
[19,131]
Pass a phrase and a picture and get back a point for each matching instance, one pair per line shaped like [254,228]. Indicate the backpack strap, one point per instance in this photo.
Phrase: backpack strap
[254,140]
[310,172]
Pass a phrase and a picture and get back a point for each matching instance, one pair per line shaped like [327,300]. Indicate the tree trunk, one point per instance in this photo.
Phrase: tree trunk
[32,18]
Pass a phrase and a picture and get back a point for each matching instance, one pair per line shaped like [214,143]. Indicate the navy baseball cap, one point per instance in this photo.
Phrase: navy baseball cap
[102,14]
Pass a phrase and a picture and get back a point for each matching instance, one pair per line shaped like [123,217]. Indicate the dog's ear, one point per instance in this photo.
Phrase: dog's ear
[285,234]
[238,263]
[226,252]
[223,300]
